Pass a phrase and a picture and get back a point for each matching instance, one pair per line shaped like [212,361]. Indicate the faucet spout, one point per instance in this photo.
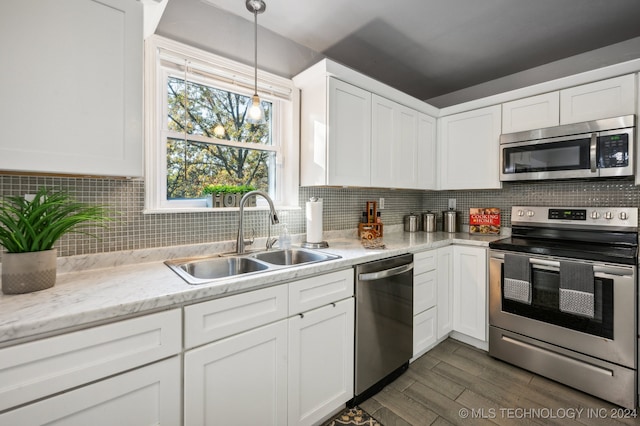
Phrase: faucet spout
[273,217]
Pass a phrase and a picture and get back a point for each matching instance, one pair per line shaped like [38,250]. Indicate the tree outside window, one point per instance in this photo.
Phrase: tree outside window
[210,142]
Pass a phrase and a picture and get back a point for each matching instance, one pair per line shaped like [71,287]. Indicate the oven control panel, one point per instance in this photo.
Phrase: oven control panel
[568,214]
[624,218]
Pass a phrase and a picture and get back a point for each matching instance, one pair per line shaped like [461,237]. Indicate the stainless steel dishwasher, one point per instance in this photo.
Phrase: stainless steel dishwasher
[384,323]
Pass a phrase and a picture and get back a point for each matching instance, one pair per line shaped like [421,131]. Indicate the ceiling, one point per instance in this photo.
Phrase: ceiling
[430,48]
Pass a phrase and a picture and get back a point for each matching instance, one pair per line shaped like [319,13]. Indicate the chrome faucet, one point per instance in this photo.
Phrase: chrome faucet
[240,243]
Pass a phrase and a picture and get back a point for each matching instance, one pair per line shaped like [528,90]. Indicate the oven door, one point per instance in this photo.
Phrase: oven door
[609,334]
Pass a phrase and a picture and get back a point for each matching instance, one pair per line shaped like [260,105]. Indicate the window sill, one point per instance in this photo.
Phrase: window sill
[215,209]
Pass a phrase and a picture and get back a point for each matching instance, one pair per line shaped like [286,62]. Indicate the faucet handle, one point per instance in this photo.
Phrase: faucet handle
[271,242]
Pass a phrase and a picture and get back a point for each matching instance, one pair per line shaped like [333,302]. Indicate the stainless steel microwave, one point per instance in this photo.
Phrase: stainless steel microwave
[602,148]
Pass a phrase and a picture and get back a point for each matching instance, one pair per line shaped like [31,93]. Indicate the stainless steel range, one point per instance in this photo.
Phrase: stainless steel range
[563,298]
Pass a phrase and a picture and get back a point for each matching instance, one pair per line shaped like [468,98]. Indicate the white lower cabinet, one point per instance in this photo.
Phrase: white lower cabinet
[321,345]
[445,291]
[470,291]
[425,330]
[425,298]
[146,396]
[239,380]
[289,366]
[127,369]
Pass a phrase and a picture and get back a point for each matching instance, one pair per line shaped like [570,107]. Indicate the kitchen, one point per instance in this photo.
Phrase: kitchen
[343,207]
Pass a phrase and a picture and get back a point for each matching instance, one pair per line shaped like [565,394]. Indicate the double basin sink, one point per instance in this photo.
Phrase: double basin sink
[208,269]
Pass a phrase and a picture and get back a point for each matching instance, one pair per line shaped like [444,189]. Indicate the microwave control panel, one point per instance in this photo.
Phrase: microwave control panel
[613,151]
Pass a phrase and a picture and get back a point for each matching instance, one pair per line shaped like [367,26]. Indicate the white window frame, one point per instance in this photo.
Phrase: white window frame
[228,75]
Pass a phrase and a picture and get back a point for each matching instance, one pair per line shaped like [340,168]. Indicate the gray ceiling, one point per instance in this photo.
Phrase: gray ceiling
[443,51]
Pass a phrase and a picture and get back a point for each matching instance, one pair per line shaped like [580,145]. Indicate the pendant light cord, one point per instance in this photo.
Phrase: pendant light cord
[255,52]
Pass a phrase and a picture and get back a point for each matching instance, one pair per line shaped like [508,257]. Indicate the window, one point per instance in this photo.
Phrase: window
[197,135]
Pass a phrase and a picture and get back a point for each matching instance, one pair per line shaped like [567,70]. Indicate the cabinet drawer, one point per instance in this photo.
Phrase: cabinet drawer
[424,261]
[314,292]
[425,290]
[36,369]
[213,320]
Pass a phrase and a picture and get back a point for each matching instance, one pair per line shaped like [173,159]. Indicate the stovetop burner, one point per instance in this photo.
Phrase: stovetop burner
[597,234]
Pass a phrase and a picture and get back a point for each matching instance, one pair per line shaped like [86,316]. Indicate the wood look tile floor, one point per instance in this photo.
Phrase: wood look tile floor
[456,384]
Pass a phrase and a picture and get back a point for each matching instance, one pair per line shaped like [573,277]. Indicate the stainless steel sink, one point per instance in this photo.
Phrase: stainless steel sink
[293,257]
[209,269]
[198,271]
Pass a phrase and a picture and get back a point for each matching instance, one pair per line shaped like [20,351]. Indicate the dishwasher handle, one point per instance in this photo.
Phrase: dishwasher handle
[372,276]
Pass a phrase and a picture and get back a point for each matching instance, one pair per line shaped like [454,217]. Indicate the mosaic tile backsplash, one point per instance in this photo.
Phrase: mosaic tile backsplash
[342,209]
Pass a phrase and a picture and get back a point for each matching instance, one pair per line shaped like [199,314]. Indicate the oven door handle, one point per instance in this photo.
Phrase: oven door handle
[597,269]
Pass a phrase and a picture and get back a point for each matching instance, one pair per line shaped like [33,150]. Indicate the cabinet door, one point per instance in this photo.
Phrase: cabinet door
[530,113]
[74,85]
[240,380]
[424,330]
[394,144]
[469,149]
[349,135]
[320,362]
[603,99]
[445,291]
[384,122]
[426,152]
[147,396]
[470,291]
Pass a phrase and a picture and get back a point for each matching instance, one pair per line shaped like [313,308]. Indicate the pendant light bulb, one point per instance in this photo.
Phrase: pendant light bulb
[255,111]
[218,130]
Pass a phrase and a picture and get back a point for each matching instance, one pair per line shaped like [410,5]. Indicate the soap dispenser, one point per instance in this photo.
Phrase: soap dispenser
[285,238]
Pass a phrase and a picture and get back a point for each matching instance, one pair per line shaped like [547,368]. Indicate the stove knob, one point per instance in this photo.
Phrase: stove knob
[595,215]
[530,213]
[520,213]
[608,215]
[623,216]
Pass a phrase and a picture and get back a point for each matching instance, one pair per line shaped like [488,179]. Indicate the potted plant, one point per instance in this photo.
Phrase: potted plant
[243,189]
[30,228]
[227,195]
[213,195]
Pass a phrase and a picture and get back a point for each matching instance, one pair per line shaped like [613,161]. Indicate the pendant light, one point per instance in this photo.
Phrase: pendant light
[255,111]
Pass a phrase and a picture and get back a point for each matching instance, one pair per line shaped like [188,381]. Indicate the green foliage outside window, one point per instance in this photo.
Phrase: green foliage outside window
[199,110]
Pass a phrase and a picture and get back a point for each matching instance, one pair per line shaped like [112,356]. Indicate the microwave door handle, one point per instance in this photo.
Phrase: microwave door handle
[592,151]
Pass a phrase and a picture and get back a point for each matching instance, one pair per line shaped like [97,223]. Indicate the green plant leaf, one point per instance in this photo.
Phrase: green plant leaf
[36,225]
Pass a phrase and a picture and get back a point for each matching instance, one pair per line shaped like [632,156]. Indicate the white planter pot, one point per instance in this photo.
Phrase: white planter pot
[28,272]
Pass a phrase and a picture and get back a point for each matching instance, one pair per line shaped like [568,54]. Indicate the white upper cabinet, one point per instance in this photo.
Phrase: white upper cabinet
[603,99]
[335,128]
[469,149]
[394,144]
[72,87]
[355,131]
[535,112]
[349,135]
[427,172]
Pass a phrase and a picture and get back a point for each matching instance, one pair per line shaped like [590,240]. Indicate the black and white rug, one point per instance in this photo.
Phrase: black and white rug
[355,416]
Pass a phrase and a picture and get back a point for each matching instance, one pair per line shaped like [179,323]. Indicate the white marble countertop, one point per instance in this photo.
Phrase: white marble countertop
[104,287]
